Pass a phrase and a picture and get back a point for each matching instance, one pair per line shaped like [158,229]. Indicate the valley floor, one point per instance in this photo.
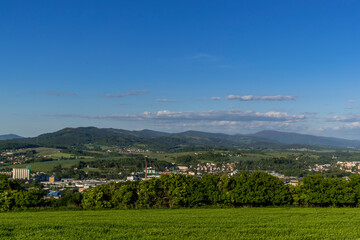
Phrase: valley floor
[240,223]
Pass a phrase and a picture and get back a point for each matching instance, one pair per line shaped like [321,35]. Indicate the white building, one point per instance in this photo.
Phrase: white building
[132,178]
[183,168]
[21,173]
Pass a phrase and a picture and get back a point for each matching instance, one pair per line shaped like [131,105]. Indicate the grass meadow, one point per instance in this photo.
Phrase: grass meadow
[48,166]
[231,223]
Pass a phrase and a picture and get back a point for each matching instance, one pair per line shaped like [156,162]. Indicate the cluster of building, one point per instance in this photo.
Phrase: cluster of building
[11,158]
[352,167]
[208,168]
[81,185]
[133,150]
[228,168]
[18,173]
[6,154]
[54,186]
[198,170]
[24,174]
[231,155]
[320,167]
[285,179]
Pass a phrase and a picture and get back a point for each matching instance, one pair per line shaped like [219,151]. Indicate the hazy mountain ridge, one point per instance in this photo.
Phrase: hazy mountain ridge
[185,140]
[149,139]
[9,137]
[297,138]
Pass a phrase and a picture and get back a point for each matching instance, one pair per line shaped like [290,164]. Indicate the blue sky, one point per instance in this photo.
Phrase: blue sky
[217,66]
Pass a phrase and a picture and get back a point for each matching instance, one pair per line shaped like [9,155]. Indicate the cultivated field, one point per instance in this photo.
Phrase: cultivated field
[241,223]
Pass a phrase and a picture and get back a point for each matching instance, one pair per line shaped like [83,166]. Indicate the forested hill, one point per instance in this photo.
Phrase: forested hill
[190,140]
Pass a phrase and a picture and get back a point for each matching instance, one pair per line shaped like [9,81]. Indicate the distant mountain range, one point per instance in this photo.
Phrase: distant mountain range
[9,137]
[149,139]
[296,138]
[190,140]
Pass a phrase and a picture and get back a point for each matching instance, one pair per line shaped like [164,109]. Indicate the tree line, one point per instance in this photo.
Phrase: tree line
[247,189]
[175,190]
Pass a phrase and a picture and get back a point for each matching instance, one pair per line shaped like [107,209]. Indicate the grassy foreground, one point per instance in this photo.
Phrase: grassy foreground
[241,223]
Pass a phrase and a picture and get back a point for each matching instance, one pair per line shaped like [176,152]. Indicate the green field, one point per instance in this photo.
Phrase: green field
[48,166]
[241,223]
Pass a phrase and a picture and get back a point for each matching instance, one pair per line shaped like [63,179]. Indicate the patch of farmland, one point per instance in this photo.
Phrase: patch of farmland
[240,223]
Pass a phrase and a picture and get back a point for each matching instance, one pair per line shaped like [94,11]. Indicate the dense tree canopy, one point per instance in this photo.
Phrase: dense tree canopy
[175,190]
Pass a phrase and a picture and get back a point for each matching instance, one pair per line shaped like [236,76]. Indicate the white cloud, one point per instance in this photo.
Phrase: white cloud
[260,98]
[232,127]
[215,98]
[352,101]
[164,100]
[336,118]
[224,115]
[346,126]
[347,123]
[130,93]
[310,113]
[59,94]
[211,99]
[226,121]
